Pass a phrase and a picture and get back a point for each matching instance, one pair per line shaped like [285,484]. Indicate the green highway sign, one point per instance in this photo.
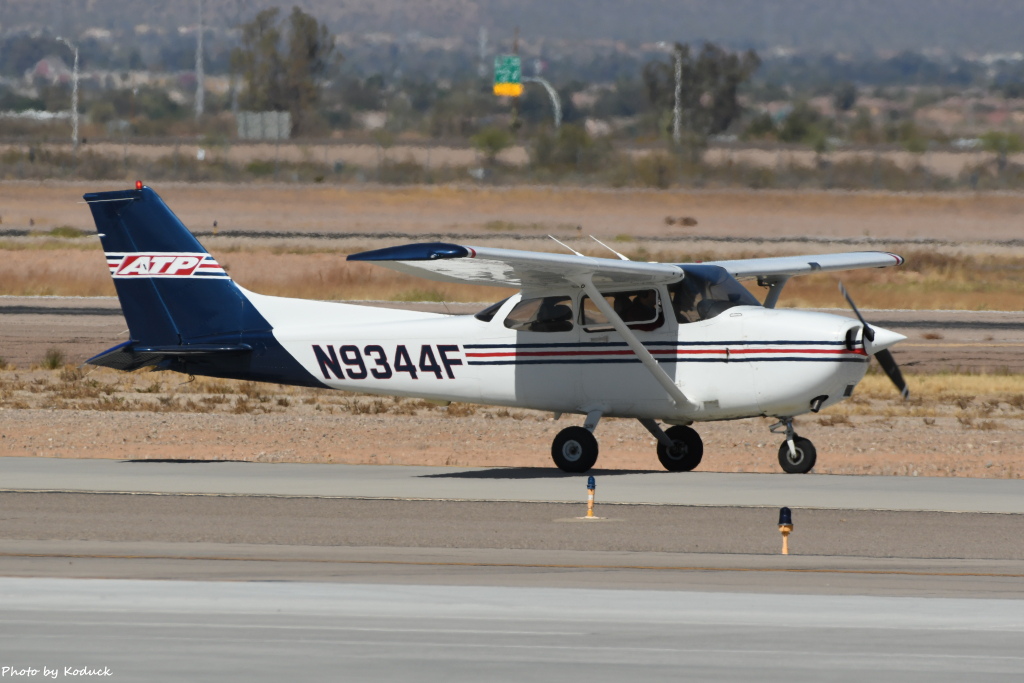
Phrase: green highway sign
[508,74]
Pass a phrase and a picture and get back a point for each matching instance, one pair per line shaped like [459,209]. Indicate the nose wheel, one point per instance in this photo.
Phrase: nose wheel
[796,454]
[799,460]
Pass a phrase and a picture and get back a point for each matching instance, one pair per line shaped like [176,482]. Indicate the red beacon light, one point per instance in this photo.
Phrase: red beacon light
[138,184]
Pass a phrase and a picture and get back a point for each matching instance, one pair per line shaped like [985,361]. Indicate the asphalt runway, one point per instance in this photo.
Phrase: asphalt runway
[245,571]
[358,632]
[937,340]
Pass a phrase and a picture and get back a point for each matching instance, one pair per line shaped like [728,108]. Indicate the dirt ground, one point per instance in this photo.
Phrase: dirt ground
[37,417]
[738,215]
[902,447]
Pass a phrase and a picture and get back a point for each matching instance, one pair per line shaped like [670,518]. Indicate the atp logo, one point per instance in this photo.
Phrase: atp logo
[157,265]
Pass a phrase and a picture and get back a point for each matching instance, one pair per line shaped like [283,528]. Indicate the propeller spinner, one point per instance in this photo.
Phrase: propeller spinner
[876,342]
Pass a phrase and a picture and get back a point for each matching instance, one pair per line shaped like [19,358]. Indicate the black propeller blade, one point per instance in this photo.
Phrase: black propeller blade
[888,364]
[869,332]
[884,357]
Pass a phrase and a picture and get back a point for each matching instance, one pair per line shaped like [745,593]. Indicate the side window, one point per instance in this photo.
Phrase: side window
[640,310]
[546,314]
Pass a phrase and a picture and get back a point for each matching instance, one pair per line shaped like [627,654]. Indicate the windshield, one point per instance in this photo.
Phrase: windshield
[705,292]
[487,314]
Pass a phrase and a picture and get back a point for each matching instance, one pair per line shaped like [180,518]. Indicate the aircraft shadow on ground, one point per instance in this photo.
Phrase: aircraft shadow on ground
[183,461]
[530,473]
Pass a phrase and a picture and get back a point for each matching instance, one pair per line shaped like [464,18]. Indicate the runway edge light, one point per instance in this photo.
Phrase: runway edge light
[591,485]
[785,527]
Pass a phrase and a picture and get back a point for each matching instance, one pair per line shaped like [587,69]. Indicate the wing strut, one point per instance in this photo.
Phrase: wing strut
[774,283]
[674,392]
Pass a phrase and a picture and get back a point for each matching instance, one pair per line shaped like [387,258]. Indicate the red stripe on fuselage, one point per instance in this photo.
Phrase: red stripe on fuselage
[662,352]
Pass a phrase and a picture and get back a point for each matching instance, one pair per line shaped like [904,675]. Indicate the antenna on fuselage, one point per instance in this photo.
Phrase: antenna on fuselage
[624,258]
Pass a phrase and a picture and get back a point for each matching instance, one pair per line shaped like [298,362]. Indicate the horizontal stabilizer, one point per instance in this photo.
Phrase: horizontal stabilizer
[131,356]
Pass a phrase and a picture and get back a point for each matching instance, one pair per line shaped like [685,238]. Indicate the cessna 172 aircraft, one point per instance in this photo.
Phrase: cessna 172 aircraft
[596,337]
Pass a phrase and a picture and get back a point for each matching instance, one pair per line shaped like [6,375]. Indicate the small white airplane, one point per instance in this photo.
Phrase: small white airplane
[597,337]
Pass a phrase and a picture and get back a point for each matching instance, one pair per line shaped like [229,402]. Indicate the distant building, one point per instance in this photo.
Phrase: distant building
[264,125]
[52,70]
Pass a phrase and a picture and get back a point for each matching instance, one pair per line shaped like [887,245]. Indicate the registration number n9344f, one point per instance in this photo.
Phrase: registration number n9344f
[350,361]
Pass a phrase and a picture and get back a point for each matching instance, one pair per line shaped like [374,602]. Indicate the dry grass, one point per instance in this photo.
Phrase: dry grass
[969,387]
[58,263]
[101,389]
[976,401]
[928,280]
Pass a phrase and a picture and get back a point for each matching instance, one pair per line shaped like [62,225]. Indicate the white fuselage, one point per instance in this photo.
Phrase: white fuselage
[747,361]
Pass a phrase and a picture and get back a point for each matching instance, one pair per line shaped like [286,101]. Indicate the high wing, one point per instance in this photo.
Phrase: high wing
[786,266]
[530,270]
[527,270]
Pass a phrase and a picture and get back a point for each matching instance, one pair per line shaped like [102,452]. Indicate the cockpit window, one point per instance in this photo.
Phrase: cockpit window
[487,315]
[705,292]
[545,314]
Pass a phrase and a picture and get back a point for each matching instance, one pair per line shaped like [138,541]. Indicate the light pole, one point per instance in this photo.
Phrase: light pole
[677,109]
[552,93]
[74,93]
[200,75]
[677,106]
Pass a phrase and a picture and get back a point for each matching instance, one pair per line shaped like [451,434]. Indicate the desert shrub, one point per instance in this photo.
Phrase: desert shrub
[53,359]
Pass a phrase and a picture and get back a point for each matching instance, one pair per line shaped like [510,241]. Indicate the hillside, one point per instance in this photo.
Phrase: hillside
[832,25]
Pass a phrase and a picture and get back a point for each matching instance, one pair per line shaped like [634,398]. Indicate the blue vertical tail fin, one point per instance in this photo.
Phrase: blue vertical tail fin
[172,291]
[183,311]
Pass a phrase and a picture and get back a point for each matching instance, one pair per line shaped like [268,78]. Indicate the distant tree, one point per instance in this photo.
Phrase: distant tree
[1001,143]
[803,124]
[310,48]
[710,84]
[362,94]
[844,96]
[491,141]
[258,60]
[20,52]
[627,98]
[571,149]
[282,67]
[862,128]
[761,127]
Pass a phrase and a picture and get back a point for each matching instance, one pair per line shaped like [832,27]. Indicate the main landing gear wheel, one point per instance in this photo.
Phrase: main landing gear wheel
[574,450]
[686,451]
[800,462]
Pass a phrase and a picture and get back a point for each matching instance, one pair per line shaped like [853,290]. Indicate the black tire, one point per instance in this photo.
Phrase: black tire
[574,450]
[805,458]
[686,453]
